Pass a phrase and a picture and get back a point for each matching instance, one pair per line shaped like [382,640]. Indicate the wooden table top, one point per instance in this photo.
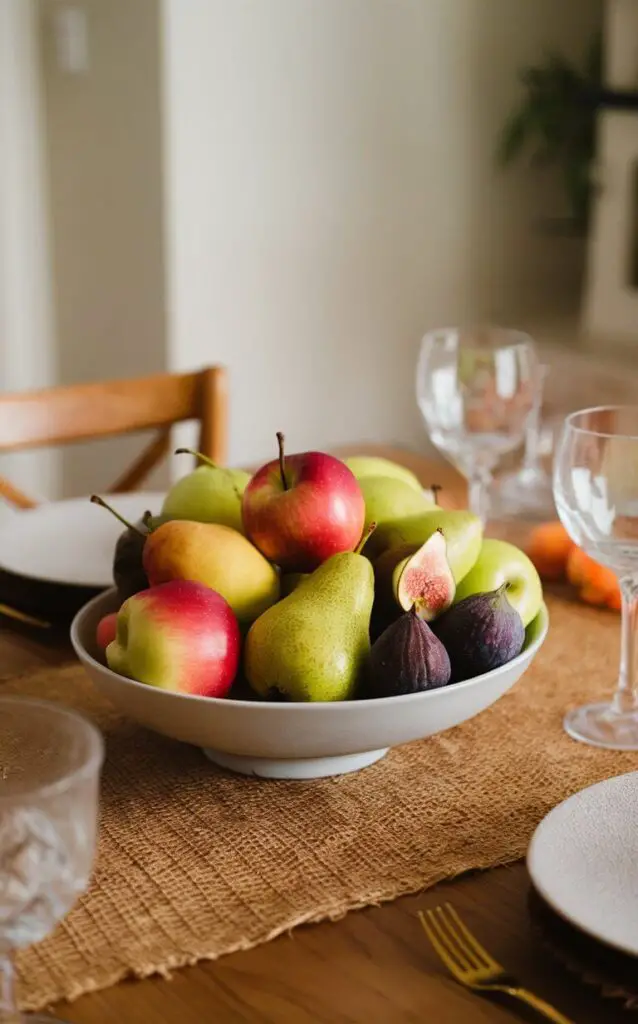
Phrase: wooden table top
[373,966]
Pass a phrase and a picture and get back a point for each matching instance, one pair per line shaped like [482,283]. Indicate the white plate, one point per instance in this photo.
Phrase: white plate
[70,541]
[583,860]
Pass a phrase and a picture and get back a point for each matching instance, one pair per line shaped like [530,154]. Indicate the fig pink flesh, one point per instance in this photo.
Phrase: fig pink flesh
[427,589]
[426,581]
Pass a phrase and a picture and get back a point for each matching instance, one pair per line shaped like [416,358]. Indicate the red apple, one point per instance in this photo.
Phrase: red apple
[179,636]
[106,629]
[301,509]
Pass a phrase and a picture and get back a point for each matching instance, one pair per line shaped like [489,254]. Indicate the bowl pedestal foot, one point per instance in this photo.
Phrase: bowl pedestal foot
[303,768]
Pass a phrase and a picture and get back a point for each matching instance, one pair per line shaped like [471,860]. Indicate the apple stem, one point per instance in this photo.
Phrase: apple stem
[435,488]
[197,455]
[95,498]
[364,538]
[282,462]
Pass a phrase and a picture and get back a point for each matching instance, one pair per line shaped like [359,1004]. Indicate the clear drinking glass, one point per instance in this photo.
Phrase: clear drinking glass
[596,494]
[528,490]
[476,389]
[50,761]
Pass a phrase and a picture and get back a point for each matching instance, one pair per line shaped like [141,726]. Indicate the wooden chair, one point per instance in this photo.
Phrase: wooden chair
[81,412]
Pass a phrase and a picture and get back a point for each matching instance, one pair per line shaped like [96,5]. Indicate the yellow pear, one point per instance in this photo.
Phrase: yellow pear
[218,556]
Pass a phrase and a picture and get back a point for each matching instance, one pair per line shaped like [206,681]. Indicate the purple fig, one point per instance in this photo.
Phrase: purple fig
[480,633]
[407,658]
[128,572]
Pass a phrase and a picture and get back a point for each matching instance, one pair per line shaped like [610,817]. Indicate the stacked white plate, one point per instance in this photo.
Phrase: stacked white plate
[70,542]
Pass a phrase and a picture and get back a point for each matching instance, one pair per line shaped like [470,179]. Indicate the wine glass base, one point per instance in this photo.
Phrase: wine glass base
[526,493]
[600,726]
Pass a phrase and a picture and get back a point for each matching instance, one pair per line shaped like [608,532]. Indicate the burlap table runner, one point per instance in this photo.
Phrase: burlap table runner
[194,863]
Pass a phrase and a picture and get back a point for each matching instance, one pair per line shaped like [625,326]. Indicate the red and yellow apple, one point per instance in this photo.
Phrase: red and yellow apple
[106,630]
[179,636]
[301,509]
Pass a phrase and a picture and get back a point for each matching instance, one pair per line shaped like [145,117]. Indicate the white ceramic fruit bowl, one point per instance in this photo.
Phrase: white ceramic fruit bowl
[294,741]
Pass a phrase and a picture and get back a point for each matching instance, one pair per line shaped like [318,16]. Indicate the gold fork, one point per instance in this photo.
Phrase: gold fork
[28,620]
[472,965]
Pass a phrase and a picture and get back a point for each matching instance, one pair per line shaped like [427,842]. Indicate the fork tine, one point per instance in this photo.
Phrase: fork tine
[439,949]
[447,923]
[478,950]
[453,949]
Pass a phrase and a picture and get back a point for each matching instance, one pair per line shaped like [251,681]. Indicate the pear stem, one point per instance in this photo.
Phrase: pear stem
[198,456]
[364,538]
[95,498]
[435,488]
[282,462]
[208,462]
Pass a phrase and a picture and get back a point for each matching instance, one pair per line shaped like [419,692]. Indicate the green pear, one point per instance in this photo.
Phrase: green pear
[389,498]
[501,563]
[369,465]
[210,494]
[392,542]
[314,645]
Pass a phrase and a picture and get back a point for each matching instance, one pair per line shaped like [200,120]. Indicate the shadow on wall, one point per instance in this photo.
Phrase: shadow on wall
[104,144]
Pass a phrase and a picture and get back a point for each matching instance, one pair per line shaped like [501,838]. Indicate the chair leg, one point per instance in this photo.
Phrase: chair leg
[137,473]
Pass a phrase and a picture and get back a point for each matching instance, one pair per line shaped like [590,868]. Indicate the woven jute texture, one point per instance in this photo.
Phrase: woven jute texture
[194,863]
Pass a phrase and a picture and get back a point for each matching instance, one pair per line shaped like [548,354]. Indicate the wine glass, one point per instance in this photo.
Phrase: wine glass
[476,389]
[596,494]
[527,491]
[50,761]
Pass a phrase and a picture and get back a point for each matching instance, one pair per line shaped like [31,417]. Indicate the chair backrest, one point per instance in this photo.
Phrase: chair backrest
[81,412]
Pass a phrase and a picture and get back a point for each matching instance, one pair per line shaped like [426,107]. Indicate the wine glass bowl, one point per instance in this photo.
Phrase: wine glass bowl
[476,389]
[50,760]
[526,491]
[596,495]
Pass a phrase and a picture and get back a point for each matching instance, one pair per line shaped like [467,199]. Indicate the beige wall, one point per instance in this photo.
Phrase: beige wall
[104,142]
[331,193]
[26,335]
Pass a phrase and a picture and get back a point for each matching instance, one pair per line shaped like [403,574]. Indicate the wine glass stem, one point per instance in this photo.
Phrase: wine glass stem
[8,1008]
[626,697]
[530,458]
[479,484]
[533,431]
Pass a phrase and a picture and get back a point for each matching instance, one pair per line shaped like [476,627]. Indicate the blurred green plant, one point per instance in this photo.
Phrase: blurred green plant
[555,125]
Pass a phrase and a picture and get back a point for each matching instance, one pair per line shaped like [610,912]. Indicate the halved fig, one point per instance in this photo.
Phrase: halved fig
[424,579]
